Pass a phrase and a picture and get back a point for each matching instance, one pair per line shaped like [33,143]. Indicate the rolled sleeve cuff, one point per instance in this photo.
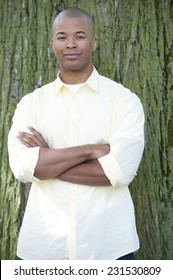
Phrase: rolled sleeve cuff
[112,170]
[27,165]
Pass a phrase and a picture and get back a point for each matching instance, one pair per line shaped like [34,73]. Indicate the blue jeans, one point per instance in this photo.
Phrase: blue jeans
[127,257]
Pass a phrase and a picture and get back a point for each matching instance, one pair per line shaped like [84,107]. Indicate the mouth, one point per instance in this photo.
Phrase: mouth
[71,55]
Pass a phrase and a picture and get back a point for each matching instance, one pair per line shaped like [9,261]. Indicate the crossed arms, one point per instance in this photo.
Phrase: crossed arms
[92,164]
[74,164]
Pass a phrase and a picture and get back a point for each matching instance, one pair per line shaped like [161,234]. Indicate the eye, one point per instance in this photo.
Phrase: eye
[80,36]
[61,38]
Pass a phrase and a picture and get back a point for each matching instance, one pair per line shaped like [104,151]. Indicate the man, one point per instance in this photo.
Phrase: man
[79,140]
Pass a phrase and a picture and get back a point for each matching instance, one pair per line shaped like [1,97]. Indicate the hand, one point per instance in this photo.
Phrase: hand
[33,139]
[100,150]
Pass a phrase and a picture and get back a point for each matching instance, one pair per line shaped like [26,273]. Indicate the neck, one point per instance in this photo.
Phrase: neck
[75,76]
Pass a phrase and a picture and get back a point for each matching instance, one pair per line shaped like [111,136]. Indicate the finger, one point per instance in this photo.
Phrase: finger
[27,139]
[33,130]
[34,139]
[39,138]
[25,143]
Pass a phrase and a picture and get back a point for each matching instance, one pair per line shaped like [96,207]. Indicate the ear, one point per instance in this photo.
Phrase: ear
[52,44]
[94,44]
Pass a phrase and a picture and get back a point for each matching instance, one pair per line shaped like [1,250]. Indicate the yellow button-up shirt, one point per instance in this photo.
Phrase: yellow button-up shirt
[69,221]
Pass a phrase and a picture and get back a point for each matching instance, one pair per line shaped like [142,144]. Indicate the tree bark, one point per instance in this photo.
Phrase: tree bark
[135,47]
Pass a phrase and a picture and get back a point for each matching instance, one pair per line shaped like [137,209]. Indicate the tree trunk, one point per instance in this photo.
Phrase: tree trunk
[135,47]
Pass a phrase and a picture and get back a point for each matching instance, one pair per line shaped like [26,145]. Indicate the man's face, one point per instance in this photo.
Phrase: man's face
[73,43]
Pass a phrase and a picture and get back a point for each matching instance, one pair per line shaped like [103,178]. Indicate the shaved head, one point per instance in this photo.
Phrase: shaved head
[74,13]
[73,43]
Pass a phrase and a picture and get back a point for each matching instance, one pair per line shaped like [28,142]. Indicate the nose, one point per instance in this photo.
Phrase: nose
[71,43]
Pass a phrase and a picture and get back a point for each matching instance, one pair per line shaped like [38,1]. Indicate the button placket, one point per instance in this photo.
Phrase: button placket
[71,238]
[73,122]
[72,224]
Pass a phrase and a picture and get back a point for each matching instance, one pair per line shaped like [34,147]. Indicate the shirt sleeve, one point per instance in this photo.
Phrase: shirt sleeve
[126,141]
[22,159]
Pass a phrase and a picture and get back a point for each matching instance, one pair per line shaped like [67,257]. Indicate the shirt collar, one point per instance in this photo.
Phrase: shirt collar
[92,82]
